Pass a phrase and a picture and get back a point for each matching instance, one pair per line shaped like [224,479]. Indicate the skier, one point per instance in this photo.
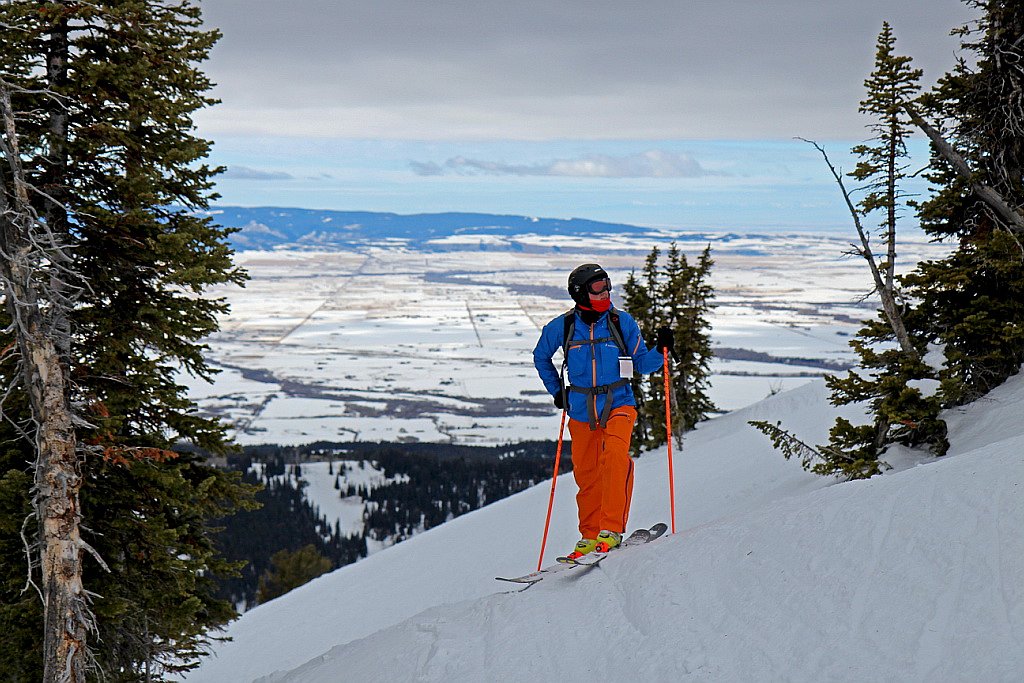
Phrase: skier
[601,348]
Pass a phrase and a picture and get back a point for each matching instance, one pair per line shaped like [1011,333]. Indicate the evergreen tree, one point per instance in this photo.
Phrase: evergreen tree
[692,352]
[21,607]
[104,93]
[970,305]
[638,299]
[679,296]
[966,310]
[972,302]
[153,529]
[291,570]
[889,358]
[883,162]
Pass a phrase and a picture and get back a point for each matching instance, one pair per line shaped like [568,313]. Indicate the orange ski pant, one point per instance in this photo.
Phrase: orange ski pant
[603,471]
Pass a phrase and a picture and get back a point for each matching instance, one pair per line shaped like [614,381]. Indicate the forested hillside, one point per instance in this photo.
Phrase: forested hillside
[412,488]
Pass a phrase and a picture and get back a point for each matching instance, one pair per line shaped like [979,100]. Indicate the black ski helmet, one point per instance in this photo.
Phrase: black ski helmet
[580,278]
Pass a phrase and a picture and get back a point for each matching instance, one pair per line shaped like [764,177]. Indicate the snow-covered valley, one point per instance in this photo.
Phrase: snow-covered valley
[431,341]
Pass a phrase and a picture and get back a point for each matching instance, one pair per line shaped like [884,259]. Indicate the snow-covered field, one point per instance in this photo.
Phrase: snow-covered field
[390,342]
[775,574]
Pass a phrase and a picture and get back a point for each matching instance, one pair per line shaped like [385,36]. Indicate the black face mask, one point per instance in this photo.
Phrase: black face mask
[589,316]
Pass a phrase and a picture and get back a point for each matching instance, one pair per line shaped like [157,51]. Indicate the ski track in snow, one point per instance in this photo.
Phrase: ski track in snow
[916,575]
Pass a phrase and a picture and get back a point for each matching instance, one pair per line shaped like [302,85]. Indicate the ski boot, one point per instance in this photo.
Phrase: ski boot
[606,540]
[583,546]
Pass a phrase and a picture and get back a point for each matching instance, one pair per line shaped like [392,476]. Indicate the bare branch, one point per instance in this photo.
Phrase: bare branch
[29,582]
[886,293]
[92,551]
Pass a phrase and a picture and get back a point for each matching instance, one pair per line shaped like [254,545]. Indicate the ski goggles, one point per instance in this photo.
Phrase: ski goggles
[600,286]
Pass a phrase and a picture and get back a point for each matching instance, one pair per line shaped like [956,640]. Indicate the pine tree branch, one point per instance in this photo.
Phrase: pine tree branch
[788,444]
[986,193]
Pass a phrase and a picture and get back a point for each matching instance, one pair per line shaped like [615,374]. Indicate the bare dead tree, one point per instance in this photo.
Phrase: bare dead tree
[35,286]
[994,200]
[885,289]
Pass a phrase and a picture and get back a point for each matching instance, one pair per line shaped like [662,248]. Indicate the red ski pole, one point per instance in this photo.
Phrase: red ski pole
[551,499]
[668,434]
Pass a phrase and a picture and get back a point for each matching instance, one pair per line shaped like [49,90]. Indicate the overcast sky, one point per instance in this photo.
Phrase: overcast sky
[399,104]
[539,69]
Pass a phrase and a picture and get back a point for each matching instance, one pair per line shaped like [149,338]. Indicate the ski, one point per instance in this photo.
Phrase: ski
[534,577]
[638,537]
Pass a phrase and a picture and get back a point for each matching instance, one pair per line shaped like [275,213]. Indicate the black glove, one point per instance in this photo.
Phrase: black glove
[558,401]
[666,340]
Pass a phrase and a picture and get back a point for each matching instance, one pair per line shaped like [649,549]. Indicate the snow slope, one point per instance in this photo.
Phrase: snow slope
[823,587]
[776,575]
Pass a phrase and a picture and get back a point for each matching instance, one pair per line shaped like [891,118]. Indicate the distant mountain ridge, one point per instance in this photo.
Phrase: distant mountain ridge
[267,227]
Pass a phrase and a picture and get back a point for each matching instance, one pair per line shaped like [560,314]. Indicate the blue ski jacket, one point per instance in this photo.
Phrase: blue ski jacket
[593,364]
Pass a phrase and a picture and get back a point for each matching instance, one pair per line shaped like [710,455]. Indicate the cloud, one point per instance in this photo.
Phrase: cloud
[574,69]
[426,168]
[246,173]
[654,163]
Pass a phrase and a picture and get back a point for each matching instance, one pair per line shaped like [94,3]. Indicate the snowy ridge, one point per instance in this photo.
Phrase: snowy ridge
[776,575]
[822,587]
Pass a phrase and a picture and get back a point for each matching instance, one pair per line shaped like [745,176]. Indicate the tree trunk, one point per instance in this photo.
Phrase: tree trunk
[28,294]
[987,194]
[58,481]
[55,177]
[890,218]
[889,305]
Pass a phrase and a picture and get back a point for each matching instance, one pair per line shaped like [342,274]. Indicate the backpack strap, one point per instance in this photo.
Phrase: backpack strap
[616,330]
[569,319]
[614,327]
[592,393]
